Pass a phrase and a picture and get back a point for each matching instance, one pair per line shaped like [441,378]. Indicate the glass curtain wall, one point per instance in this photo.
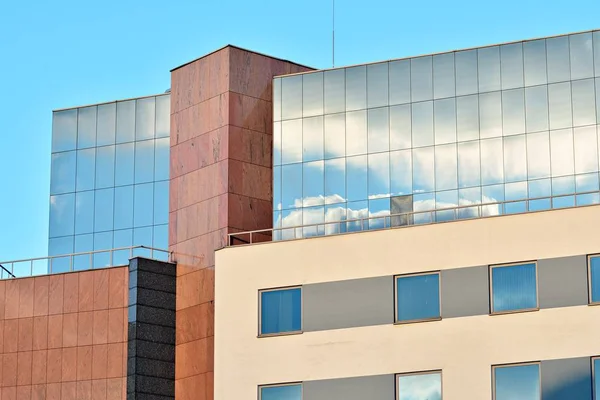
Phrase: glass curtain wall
[109,181]
[516,124]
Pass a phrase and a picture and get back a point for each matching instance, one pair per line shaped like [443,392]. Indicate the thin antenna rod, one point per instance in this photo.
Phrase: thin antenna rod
[333,35]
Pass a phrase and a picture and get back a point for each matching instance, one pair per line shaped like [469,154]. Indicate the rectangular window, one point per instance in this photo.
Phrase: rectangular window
[514,287]
[280,311]
[520,381]
[419,386]
[292,391]
[418,297]
[594,278]
[596,375]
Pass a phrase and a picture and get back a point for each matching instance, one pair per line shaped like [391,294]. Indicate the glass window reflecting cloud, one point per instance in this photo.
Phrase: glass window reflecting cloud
[517,382]
[312,94]
[356,88]
[86,127]
[283,392]
[534,58]
[421,78]
[399,77]
[422,386]
[514,287]
[64,130]
[377,85]
[488,61]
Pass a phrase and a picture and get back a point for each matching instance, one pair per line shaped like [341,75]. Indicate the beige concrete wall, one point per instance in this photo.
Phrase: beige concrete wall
[464,348]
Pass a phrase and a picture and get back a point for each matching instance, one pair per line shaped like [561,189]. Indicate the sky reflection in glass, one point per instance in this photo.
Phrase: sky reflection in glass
[520,382]
[420,387]
[286,392]
[417,297]
[514,287]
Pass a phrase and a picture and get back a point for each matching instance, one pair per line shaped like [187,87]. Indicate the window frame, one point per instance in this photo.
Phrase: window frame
[260,387]
[428,372]
[589,273]
[520,364]
[595,392]
[491,288]
[298,332]
[412,321]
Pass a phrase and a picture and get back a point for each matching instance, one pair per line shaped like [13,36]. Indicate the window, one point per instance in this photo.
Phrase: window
[594,264]
[517,382]
[596,375]
[418,297]
[280,311]
[514,287]
[419,386]
[281,392]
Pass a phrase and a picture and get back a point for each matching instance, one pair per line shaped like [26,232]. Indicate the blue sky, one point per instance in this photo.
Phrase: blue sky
[67,53]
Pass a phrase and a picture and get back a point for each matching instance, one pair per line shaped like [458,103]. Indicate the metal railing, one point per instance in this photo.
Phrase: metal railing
[414,218]
[79,261]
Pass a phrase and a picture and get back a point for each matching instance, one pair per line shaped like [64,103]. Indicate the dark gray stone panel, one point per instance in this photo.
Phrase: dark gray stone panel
[465,292]
[348,304]
[151,333]
[150,350]
[150,280]
[567,379]
[155,266]
[152,298]
[155,316]
[563,282]
[379,387]
[148,367]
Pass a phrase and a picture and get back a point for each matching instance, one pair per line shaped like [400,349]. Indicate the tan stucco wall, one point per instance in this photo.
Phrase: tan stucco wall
[464,348]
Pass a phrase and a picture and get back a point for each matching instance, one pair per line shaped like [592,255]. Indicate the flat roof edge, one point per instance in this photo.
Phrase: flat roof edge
[110,102]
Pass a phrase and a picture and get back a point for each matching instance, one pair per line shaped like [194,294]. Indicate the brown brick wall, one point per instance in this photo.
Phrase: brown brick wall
[64,336]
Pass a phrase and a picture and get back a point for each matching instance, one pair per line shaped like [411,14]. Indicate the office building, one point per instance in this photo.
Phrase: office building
[413,229]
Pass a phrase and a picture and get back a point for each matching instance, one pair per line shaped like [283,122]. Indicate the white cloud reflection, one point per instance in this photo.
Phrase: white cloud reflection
[420,387]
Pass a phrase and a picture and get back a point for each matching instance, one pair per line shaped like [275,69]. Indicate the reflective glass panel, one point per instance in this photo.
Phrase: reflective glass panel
[445,121]
[515,158]
[540,188]
[467,197]
[286,392]
[356,133]
[335,181]
[443,76]
[356,178]
[160,240]
[335,213]
[56,247]
[356,88]
[399,76]
[582,56]
[466,72]
[586,149]
[563,185]
[513,112]
[277,143]
[488,61]
[536,108]
[313,183]
[84,212]
[490,114]
[122,238]
[557,51]
[378,130]
[291,186]
[561,152]
[124,207]
[125,121]
[517,382]
[161,159]
[379,175]
[62,215]
[417,297]
[105,167]
[400,127]
[511,64]
[335,135]
[163,117]
[142,237]
[469,169]
[102,241]
[312,139]
[401,172]
[291,97]
[64,130]
[598,100]
[584,110]
[586,182]
[379,209]
[124,164]
[291,141]
[335,91]
[446,201]
[86,169]
[492,163]
[515,191]
[422,124]
[312,94]
[377,85]
[63,169]
[314,216]
[538,155]
[514,287]
[534,57]
[421,78]
[277,99]
[144,161]
[83,244]
[280,311]
[143,207]
[467,118]
[595,297]
[445,167]
[596,40]
[420,386]
[423,206]
[401,207]
[103,206]
[86,127]
[559,100]
[423,170]
[161,203]
[277,188]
